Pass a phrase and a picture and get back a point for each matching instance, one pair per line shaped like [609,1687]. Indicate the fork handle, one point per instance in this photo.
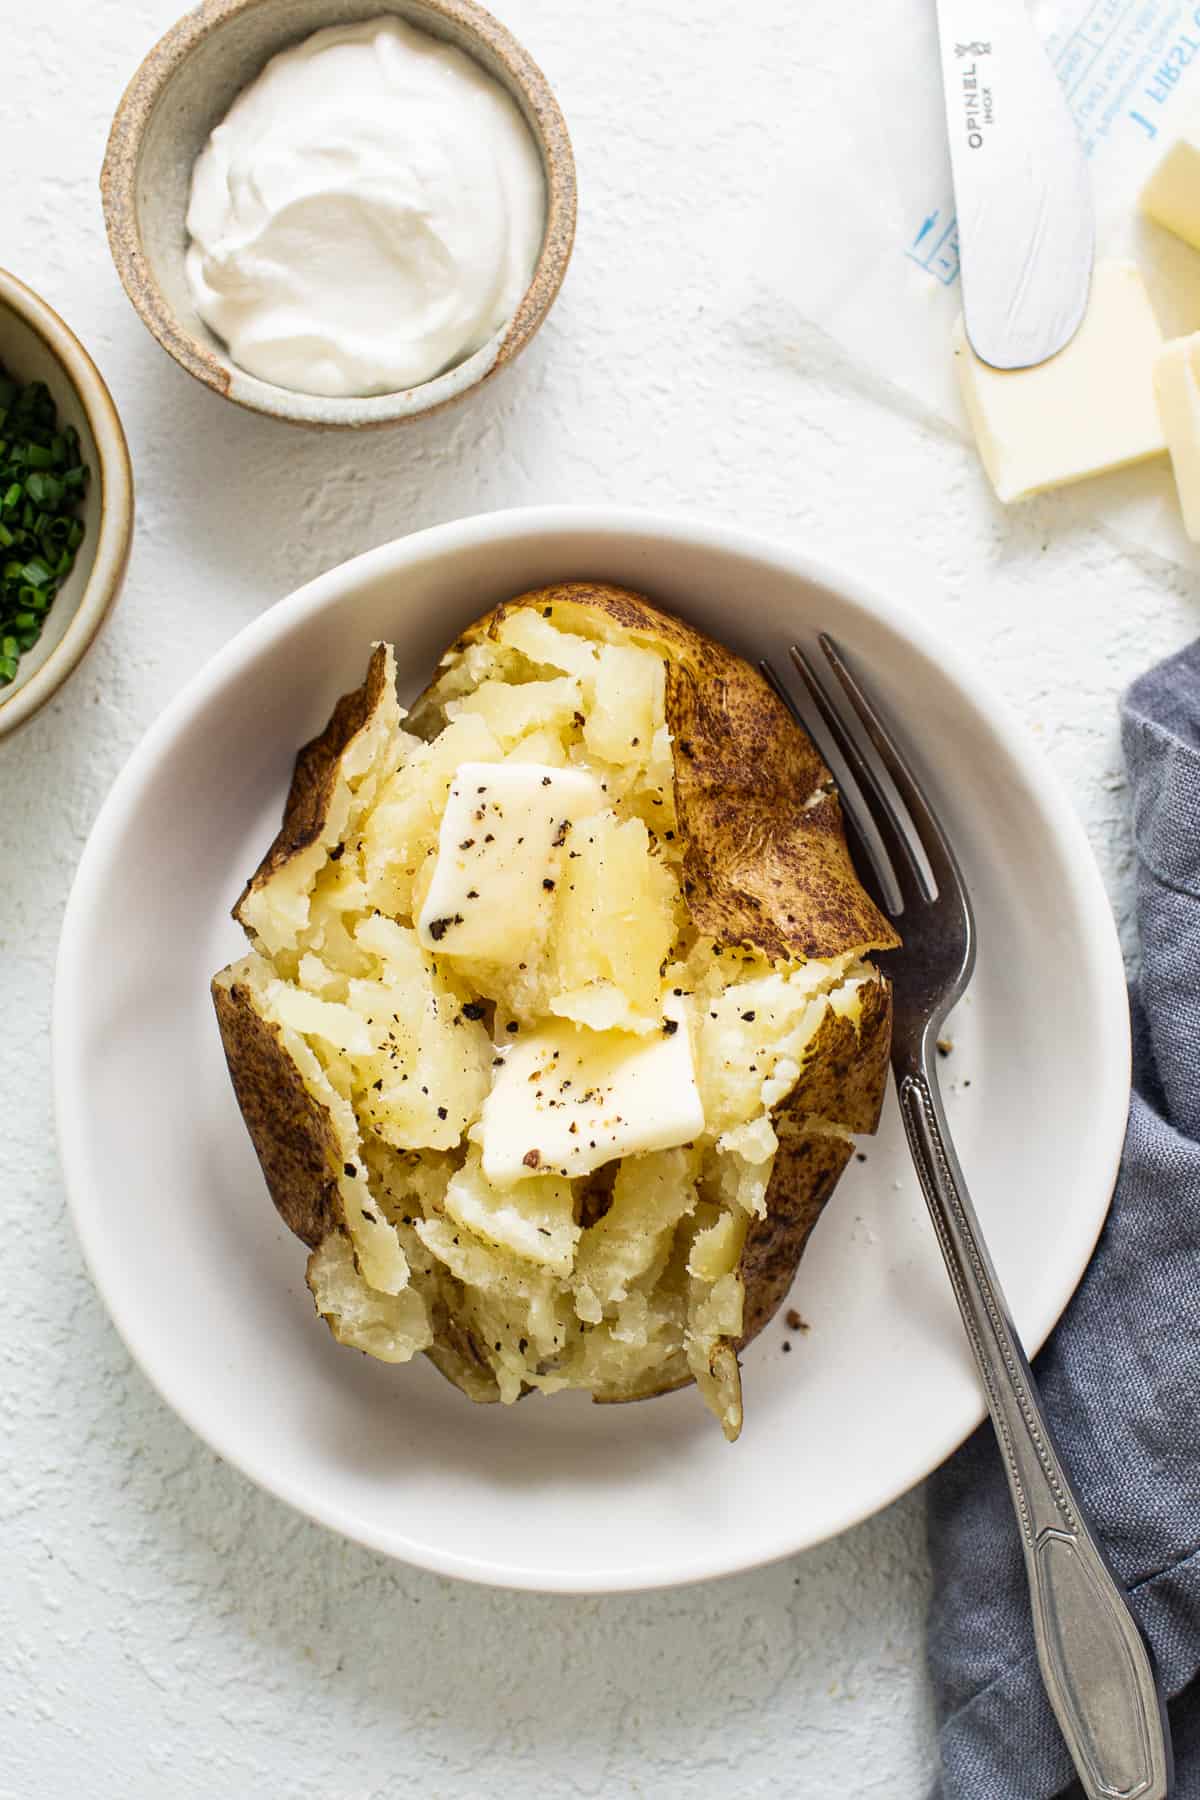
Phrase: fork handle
[1098,1668]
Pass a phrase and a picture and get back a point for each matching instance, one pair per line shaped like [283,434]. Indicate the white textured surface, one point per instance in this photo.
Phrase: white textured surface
[164,1629]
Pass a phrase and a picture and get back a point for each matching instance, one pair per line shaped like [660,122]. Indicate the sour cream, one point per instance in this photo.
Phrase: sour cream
[367,215]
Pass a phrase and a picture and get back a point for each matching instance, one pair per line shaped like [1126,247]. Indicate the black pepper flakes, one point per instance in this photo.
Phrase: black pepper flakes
[337,853]
[439,927]
[350,1170]
[441,1112]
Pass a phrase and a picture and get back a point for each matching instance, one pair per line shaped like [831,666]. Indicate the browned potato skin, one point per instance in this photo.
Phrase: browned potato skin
[293,1134]
[760,868]
[844,1080]
[314,777]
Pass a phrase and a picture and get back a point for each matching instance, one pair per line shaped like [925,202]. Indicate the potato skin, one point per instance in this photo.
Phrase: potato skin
[293,1134]
[314,777]
[297,1143]
[761,867]
[844,1080]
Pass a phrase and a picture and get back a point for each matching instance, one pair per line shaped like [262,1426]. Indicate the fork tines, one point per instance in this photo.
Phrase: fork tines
[891,837]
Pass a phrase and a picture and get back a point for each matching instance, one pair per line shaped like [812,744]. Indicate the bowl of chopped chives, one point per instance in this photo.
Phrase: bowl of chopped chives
[66,502]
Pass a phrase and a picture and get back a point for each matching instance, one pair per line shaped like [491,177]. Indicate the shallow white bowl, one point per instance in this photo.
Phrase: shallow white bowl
[207,1288]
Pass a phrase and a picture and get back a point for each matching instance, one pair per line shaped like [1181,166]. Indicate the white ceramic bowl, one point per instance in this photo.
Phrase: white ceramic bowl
[207,1288]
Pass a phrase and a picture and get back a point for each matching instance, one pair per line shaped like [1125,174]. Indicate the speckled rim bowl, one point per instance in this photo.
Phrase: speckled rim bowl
[186,86]
[35,344]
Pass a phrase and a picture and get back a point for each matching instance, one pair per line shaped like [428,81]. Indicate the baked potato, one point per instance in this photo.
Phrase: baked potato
[557,1021]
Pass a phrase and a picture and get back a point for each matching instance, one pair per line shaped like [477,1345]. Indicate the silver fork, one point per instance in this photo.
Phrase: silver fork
[1098,1669]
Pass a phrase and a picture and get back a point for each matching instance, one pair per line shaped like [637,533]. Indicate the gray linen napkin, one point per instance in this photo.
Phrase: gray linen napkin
[1120,1375]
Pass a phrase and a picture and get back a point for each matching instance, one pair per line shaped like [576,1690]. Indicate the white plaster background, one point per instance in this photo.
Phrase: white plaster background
[165,1630]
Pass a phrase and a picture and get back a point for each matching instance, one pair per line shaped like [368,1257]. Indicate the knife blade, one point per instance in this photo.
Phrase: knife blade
[1022,189]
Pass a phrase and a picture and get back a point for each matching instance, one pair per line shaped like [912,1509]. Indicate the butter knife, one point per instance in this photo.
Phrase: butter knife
[1022,191]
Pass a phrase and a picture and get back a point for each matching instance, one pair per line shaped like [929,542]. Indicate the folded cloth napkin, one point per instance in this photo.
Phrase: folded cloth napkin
[1120,1376]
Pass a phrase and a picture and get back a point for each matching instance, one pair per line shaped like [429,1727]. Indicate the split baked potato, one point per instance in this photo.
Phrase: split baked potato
[557,1020]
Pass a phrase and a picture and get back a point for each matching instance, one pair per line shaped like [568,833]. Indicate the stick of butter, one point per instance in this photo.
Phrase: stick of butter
[1171,197]
[1088,409]
[1178,391]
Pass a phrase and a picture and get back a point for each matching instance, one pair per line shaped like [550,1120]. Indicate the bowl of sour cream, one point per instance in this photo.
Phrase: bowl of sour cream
[340,214]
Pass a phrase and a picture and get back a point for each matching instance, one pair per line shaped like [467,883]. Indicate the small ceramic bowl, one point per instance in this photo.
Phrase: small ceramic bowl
[186,86]
[35,345]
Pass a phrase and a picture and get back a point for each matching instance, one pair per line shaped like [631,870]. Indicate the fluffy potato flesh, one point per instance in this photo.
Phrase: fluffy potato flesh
[625,1280]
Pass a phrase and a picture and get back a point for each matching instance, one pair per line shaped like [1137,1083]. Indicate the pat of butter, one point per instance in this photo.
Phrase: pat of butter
[499,856]
[1171,197]
[1178,390]
[568,1099]
[1088,409]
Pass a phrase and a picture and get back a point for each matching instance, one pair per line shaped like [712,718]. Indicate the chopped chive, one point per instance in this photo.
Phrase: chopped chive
[42,481]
